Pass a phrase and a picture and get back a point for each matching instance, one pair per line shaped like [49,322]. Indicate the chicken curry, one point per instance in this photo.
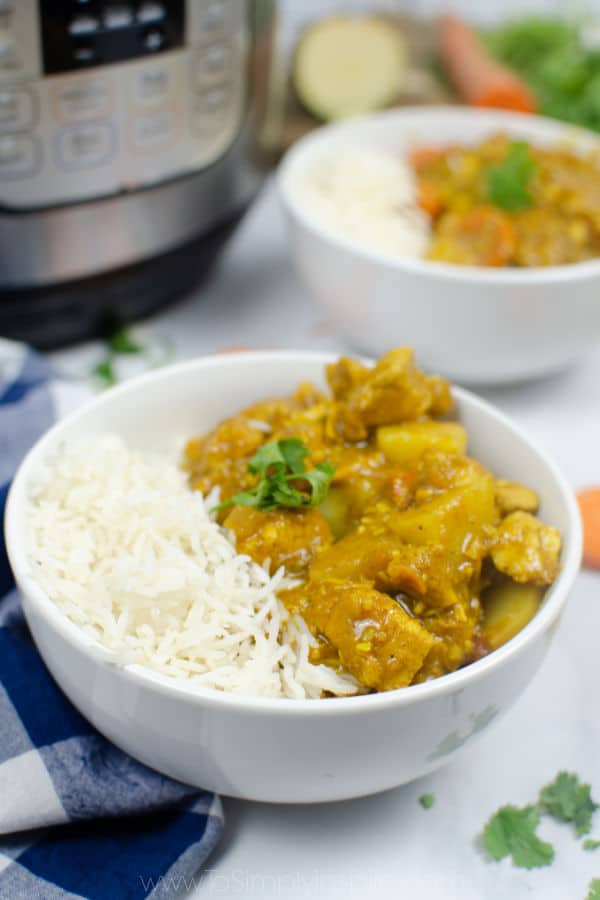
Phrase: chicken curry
[410,558]
[507,203]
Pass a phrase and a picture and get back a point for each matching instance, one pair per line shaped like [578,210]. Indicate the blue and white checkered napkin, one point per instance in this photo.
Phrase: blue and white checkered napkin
[78,818]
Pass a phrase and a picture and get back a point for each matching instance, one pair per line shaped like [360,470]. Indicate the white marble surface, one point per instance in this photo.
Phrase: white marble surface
[387,847]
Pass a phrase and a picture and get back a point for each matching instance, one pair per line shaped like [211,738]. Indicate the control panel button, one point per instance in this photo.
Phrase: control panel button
[17,111]
[84,146]
[83,25]
[85,53]
[9,57]
[88,98]
[153,130]
[211,109]
[19,156]
[150,12]
[152,84]
[212,65]
[118,16]
[215,16]
[153,38]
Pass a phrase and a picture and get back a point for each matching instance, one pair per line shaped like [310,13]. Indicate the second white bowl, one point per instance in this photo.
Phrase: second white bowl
[471,323]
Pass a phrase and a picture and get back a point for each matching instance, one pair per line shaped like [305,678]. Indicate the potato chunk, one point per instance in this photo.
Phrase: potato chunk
[377,640]
[526,549]
[286,537]
[405,444]
[507,608]
[512,496]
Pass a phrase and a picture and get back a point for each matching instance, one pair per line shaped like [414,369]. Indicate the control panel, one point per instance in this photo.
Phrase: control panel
[98,97]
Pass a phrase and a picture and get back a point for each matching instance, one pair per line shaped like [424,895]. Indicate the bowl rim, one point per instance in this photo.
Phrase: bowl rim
[144,677]
[406,118]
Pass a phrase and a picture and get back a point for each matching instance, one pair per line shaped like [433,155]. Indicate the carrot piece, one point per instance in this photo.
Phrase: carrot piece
[421,157]
[589,507]
[479,79]
[234,348]
[429,199]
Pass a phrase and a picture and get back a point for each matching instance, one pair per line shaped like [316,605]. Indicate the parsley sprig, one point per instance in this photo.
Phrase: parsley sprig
[509,182]
[284,479]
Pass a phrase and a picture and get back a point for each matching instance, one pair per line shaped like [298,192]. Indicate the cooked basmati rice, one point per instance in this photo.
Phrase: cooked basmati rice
[366,195]
[121,544]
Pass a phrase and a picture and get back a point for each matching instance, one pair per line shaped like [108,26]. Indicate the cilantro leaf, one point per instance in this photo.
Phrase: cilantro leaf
[594,889]
[512,832]
[319,480]
[590,844]
[508,183]
[284,480]
[427,800]
[568,800]
[294,452]
[266,456]
[121,342]
[105,373]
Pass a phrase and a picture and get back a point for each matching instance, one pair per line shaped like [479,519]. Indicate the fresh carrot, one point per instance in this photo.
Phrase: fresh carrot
[429,199]
[234,348]
[479,79]
[589,507]
[421,157]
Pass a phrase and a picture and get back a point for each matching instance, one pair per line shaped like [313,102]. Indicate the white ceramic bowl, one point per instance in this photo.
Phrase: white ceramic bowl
[470,323]
[270,749]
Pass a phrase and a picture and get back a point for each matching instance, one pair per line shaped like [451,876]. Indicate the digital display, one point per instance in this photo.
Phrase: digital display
[79,34]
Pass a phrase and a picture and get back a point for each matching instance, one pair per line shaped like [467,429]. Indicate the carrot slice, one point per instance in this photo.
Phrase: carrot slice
[482,236]
[429,199]
[589,506]
[421,157]
[479,79]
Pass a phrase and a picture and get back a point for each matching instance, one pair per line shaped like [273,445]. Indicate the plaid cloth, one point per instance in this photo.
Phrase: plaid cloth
[124,830]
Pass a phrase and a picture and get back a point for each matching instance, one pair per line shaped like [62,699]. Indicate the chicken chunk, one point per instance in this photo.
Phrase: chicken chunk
[526,549]
[422,572]
[393,391]
[454,630]
[286,537]
[221,458]
[377,640]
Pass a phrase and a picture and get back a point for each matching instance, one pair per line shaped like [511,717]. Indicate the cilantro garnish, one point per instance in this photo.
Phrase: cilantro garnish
[105,373]
[122,343]
[508,182]
[427,800]
[512,832]
[594,890]
[567,800]
[284,480]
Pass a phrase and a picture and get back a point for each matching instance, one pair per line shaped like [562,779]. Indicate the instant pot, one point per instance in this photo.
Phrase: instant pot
[128,151]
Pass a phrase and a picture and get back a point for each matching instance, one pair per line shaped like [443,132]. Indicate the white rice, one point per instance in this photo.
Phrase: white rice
[129,553]
[365,195]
